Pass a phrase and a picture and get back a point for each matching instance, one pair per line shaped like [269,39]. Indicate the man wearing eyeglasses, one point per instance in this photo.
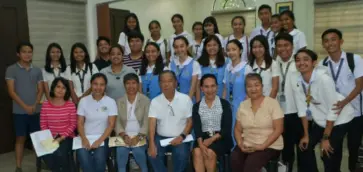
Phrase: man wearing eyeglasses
[169,117]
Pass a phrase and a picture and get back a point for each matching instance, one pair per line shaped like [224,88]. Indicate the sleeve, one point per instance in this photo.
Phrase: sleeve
[329,96]
[277,112]
[10,73]
[225,42]
[153,109]
[68,73]
[43,117]
[118,126]
[113,108]
[225,73]
[239,112]
[197,124]
[253,34]
[81,109]
[274,69]
[145,125]
[299,97]
[72,119]
[189,110]
[197,70]
[44,73]
[222,40]
[167,48]
[40,76]
[94,69]
[358,71]
[226,129]
[122,39]
[301,40]
[190,40]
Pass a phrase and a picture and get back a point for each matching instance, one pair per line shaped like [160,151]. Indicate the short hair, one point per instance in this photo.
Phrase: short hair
[255,76]
[264,6]
[99,75]
[103,38]
[284,36]
[131,76]
[310,53]
[332,30]
[23,44]
[118,46]
[276,16]
[154,22]
[172,73]
[135,34]
[206,76]
[65,83]
[177,16]
[197,23]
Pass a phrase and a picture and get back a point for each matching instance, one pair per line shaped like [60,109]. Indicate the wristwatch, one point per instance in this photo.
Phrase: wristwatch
[326,137]
[183,135]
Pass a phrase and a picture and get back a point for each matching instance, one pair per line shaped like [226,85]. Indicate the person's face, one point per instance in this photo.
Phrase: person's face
[287,22]
[209,88]
[103,47]
[116,56]
[332,43]
[55,54]
[180,47]
[177,24]
[136,45]
[238,25]
[284,49]
[78,54]
[254,88]
[198,30]
[131,87]
[276,25]
[258,50]
[25,54]
[154,29]
[167,83]
[98,86]
[233,51]
[304,62]
[209,28]
[131,23]
[212,48]
[264,15]
[151,53]
[59,90]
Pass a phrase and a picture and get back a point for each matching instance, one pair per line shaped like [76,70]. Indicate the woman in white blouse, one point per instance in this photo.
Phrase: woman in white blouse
[315,97]
[131,24]
[262,63]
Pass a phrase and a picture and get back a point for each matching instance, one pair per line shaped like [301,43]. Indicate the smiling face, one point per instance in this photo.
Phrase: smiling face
[238,25]
[304,63]
[332,43]
[198,30]
[284,49]
[103,47]
[212,48]
[135,44]
[209,28]
[151,53]
[131,23]
[254,88]
[233,51]
[181,48]
[177,24]
[287,22]
[154,29]
[131,87]
[116,56]
[25,54]
[79,54]
[209,88]
[55,54]
[276,24]
[264,15]
[258,50]
[98,86]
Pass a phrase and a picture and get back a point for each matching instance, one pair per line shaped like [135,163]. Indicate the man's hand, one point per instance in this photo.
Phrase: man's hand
[177,141]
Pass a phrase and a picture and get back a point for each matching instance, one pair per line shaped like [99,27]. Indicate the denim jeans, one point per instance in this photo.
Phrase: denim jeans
[139,154]
[93,160]
[62,159]
[180,156]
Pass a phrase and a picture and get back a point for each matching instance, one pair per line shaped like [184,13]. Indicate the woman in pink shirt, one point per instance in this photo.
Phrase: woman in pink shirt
[58,114]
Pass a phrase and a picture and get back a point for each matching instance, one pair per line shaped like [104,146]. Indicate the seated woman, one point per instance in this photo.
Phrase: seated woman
[212,120]
[132,123]
[96,118]
[58,114]
[257,130]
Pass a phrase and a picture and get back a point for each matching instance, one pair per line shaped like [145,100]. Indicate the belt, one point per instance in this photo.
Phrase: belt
[211,133]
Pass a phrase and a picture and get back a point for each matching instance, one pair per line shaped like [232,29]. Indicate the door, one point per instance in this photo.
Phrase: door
[14,29]
[117,22]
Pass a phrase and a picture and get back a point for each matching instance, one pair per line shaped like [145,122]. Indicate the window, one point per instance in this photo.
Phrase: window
[345,16]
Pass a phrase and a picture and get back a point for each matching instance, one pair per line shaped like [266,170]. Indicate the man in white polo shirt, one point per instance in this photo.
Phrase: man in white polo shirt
[169,117]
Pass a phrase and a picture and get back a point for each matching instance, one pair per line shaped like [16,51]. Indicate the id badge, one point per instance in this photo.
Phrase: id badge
[282,98]
[309,114]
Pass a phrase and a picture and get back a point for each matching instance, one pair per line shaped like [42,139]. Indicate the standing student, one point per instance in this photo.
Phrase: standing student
[134,59]
[131,24]
[315,96]
[55,66]
[210,27]
[186,69]
[103,57]
[81,71]
[197,29]
[264,14]
[154,28]
[25,86]
[152,65]
[345,69]
[293,129]
[178,25]
[238,25]
[276,27]
[213,61]
[288,22]
[262,63]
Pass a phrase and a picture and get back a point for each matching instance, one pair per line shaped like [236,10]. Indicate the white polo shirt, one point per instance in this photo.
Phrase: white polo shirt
[96,113]
[299,40]
[49,77]
[196,67]
[245,44]
[346,79]
[123,41]
[200,49]
[171,41]
[163,47]
[267,75]
[76,79]
[289,106]
[324,97]
[261,31]
[171,116]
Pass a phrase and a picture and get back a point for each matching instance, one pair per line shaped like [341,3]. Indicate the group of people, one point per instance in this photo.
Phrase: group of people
[254,97]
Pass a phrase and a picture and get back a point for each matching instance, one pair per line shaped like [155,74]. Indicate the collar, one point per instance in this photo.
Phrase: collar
[263,30]
[136,99]
[176,96]
[294,32]
[342,56]
[214,101]
[83,68]
[160,40]
[237,67]
[255,66]
[148,68]
[31,65]
[181,34]
[103,97]
[109,69]
[311,79]
[281,61]
[58,67]
[186,62]
[231,37]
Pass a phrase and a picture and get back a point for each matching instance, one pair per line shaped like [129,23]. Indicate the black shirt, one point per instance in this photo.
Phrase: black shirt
[101,63]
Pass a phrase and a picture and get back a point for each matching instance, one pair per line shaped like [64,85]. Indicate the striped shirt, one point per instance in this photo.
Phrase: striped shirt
[60,120]
[136,64]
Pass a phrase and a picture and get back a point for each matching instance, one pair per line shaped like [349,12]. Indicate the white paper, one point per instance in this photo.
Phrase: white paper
[166,142]
[37,138]
[77,141]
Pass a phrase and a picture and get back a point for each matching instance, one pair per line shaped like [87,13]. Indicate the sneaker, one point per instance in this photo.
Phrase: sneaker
[18,169]
[133,164]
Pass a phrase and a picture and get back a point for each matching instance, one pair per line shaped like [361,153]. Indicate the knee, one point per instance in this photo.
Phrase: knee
[211,155]
[197,154]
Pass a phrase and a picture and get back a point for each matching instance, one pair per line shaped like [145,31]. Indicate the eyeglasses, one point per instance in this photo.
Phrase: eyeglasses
[171,110]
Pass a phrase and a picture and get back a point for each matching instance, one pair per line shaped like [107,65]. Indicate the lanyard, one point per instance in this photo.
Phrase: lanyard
[180,72]
[284,75]
[232,80]
[335,77]
[307,94]
[268,33]
[255,70]
[81,79]
[56,76]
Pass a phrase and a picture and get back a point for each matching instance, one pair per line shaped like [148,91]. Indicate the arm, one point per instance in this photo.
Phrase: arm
[197,122]
[11,89]
[278,126]
[73,93]
[275,87]
[193,86]
[198,92]
[43,119]
[152,128]
[224,92]
[72,122]
[119,129]
[39,93]
[328,128]
[357,90]
[80,127]
[226,129]
[46,90]
[144,127]
[110,127]
[238,133]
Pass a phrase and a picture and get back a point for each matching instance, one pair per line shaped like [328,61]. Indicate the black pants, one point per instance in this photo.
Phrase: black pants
[355,133]
[62,159]
[293,131]
[332,163]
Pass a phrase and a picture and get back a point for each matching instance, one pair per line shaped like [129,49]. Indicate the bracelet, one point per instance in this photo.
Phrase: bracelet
[183,136]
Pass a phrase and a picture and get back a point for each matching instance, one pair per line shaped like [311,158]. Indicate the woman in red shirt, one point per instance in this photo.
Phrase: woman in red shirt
[58,114]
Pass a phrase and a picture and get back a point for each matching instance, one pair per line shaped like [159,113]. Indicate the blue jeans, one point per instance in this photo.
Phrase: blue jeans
[139,154]
[93,160]
[180,156]
[62,159]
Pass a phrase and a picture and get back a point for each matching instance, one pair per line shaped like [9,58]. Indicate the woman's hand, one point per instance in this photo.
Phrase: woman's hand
[96,144]
[85,143]
[134,141]
[208,142]
[126,139]
[304,142]
[326,148]
[204,149]
[259,147]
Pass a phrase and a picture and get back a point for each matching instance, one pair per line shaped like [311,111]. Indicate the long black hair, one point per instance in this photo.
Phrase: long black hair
[159,65]
[213,21]
[87,59]
[127,29]
[267,58]
[48,59]
[204,58]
